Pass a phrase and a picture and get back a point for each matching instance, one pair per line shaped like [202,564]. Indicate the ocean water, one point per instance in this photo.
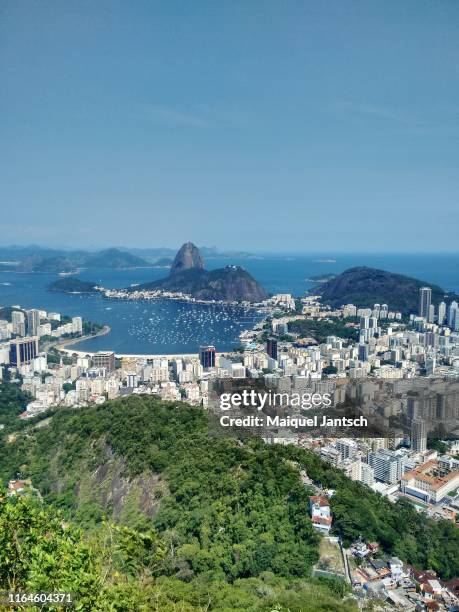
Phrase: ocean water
[289,273]
[171,327]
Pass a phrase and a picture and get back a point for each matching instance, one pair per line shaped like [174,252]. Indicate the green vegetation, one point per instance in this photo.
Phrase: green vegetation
[90,327]
[364,287]
[319,329]
[72,285]
[202,521]
[231,283]
[39,553]
[54,356]
[438,445]
[234,511]
[232,532]
[400,530]
[12,402]
[121,570]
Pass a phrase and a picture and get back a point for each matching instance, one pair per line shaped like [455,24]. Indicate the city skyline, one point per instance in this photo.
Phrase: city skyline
[309,130]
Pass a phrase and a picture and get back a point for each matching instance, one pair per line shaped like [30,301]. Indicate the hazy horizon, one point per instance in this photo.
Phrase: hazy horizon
[249,251]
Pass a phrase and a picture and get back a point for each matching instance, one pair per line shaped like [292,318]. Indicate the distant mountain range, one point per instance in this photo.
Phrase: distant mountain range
[188,275]
[114,258]
[365,287]
[53,263]
[40,259]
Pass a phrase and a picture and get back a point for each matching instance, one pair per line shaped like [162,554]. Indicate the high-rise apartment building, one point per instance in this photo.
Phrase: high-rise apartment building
[346,447]
[18,322]
[207,356]
[104,359]
[418,435]
[363,352]
[271,348]
[453,317]
[387,465]
[77,325]
[23,350]
[33,321]
[367,474]
[425,299]
[441,315]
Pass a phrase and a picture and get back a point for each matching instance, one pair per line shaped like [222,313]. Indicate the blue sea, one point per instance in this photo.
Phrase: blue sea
[172,327]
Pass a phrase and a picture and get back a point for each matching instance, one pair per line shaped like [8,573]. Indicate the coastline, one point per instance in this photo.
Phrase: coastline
[71,341]
[66,347]
[147,356]
[159,294]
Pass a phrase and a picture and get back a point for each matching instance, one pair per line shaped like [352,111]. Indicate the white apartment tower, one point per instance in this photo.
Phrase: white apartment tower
[425,299]
[418,435]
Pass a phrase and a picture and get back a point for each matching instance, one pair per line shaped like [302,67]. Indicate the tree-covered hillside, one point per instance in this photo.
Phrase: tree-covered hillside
[365,287]
[228,530]
[121,569]
[232,510]
[230,516]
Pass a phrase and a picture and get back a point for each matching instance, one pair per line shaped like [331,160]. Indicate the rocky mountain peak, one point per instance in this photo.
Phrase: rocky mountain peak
[188,257]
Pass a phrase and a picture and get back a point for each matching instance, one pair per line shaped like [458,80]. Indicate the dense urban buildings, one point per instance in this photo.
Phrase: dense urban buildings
[407,367]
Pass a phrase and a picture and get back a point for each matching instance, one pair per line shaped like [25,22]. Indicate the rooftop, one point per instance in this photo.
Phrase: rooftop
[427,473]
[319,500]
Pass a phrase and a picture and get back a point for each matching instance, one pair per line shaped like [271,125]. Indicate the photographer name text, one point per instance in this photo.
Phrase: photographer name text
[295,422]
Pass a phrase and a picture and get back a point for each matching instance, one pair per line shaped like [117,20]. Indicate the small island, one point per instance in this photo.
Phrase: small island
[73,285]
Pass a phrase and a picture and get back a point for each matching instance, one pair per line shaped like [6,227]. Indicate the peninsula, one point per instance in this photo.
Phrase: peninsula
[188,276]
[364,286]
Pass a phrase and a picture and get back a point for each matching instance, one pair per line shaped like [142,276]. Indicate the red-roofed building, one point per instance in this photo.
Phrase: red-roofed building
[320,513]
[16,487]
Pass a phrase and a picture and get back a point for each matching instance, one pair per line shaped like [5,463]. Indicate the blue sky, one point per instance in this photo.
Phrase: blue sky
[257,125]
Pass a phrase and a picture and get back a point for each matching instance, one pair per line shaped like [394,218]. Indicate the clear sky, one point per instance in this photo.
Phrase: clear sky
[257,125]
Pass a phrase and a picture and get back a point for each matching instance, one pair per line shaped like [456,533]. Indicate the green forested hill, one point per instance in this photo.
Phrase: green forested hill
[365,287]
[231,510]
[208,520]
